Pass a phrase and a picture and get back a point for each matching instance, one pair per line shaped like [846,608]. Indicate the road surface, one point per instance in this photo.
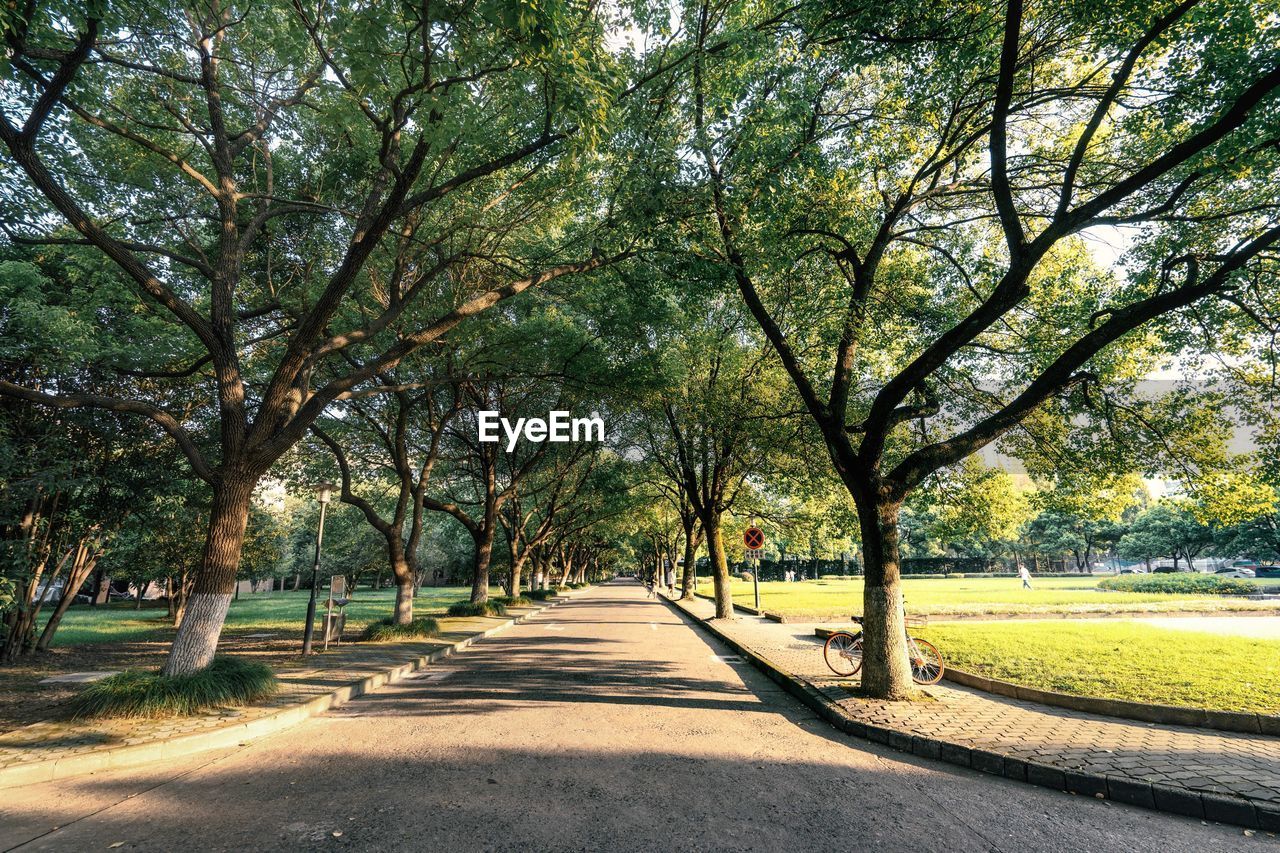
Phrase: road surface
[606,723]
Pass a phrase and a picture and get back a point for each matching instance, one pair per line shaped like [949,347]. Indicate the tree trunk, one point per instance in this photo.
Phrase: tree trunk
[480,568]
[719,565]
[690,562]
[83,566]
[205,610]
[403,575]
[517,569]
[404,580]
[885,670]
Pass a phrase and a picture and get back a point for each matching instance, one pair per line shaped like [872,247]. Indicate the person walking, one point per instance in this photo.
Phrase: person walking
[671,580]
[1025,575]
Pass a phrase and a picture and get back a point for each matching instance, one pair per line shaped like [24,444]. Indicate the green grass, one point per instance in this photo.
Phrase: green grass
[1119,660]
[512,600]
[492,607]
[823,599]
[384,631]
[283,612]
[134,693]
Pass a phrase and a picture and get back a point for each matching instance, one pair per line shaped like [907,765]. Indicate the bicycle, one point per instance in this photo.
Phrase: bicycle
[843,654]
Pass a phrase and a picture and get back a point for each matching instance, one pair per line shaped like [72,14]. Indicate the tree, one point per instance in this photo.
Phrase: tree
[979,509]
[715,423]
[1082,512]
[1168,528]
[401,430]
[284,185]
[901,204]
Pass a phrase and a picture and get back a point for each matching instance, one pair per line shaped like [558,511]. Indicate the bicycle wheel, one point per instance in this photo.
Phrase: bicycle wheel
[926,661]
[843,653]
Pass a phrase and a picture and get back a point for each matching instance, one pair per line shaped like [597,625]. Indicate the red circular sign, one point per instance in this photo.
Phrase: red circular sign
[753,538]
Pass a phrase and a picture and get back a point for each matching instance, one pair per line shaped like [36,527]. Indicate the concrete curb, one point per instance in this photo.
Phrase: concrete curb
[237,734]
[1242,722]
[1155,796]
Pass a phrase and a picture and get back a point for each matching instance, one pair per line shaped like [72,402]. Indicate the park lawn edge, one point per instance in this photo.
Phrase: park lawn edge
[1126,661]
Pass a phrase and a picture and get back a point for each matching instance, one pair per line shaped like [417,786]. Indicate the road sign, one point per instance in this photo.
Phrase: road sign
[755,553]
[753,538]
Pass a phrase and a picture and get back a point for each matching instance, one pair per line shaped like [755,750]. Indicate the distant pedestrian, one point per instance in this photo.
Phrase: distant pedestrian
[671,580]
[1025,575]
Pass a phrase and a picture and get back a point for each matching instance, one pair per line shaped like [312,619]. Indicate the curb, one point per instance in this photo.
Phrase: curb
[238,734]
[1135,792]
[1241,722]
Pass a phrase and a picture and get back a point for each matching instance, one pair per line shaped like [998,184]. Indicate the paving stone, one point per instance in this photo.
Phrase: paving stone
[78,677]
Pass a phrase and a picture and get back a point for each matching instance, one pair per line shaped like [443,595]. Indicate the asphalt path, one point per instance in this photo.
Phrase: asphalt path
[606,723]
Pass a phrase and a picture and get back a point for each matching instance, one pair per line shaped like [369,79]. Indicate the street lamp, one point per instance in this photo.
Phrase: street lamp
[324,492]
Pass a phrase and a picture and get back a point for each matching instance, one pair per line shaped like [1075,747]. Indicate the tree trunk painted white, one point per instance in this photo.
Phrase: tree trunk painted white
[205,610]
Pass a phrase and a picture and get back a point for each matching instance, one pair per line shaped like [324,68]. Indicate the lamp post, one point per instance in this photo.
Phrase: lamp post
[324,491]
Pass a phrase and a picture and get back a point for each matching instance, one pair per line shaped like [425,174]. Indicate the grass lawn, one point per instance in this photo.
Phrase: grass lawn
[260,612]
[824,599]
[1119,660]
[117,637]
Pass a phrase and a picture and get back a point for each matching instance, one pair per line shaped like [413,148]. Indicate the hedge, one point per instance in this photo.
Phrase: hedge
[1174,583]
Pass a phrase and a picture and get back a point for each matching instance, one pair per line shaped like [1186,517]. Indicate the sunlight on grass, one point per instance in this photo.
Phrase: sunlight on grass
[824,599]
[283,612]
[1119,660]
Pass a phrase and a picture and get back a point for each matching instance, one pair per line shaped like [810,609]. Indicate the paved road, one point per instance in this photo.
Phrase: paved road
[604,724]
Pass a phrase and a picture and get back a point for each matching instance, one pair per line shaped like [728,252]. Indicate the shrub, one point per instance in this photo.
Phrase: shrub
[511,600]
[135,693]
[1186,583]
[492,607]
[745,576]
[384,630]
[541,594]
[564,588]
[577,585]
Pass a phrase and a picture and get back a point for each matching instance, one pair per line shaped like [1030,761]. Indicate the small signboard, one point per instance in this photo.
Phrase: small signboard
[753,538]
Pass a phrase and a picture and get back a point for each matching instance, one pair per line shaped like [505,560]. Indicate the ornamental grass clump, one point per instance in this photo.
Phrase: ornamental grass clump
[491,607]
[136,693]
[384,631]
[540,594]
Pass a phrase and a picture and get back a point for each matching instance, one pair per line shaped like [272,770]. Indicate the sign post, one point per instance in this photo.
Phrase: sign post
[753,538]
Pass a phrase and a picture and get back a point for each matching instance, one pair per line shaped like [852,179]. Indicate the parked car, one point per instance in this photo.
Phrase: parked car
[1267,572]
[1162,570]
[1133,570]
[1237,572]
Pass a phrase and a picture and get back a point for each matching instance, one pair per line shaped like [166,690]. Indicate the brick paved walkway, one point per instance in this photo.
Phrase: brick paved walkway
[42,742]
[1199,760]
